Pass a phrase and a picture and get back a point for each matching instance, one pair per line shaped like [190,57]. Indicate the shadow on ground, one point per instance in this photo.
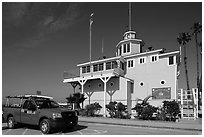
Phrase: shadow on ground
[67,130]
[76,128]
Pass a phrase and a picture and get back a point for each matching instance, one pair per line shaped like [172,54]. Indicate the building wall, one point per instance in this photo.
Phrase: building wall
[114,84]
[151,74]
[135,48]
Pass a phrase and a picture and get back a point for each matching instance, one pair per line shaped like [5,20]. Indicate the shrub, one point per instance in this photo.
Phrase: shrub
[145,111]
[91,110]
[171,110]
[117,110]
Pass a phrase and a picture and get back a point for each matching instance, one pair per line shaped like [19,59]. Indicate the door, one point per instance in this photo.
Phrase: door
[28,112]
[24,114]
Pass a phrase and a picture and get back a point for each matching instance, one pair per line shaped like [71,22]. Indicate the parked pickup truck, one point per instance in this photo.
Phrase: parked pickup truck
[38,110]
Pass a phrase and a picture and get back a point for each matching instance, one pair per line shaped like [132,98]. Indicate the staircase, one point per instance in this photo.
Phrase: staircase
[188,101]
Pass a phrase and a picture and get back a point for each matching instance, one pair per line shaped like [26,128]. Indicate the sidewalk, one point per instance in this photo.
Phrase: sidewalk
[183,124]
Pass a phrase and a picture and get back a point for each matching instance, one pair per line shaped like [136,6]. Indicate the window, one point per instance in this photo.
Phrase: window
[95,67]
[162,82]
[101,67]
[122,65]
[99,85]
[141,84]
[108,65]
[124,48]
[120,51]
[142,60]
[130,63]
[88,69]
[111,65]
[128,47]
[25,105]
[154,58]
[83,69]
[114,64]
[171,60]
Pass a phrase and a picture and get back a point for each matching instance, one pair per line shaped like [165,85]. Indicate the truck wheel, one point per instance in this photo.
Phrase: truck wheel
[11,123]
[45,126]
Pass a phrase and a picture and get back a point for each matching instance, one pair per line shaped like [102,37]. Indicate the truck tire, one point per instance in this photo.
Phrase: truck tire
[45,126]
[11,122]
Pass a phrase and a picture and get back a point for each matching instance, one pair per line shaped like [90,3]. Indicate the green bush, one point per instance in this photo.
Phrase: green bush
[91,110]
[145,111]
[169,111]
[117,110]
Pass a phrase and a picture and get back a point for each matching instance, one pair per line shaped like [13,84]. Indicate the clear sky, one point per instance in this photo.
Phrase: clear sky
[42,40]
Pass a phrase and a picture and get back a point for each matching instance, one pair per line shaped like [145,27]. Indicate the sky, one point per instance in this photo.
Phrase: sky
[42,40]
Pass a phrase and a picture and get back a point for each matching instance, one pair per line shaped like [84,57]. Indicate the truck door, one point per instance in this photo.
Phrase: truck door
[33,113]
[24,114]
[28,112]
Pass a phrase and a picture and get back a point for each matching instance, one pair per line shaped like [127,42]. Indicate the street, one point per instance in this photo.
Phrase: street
[84,128]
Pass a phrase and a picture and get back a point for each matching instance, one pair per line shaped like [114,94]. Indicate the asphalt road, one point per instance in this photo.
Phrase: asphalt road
[100,129]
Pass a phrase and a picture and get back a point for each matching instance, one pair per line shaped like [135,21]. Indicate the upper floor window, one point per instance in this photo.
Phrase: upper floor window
[122,65]
[98,67]
[95,67]
[120,51]
[111,65]
[108,65]
[83,69]
[126,48]
[130,63]
[142,60]
[171,60]
[114,64]
[101,67]
[154,58]
[86,69]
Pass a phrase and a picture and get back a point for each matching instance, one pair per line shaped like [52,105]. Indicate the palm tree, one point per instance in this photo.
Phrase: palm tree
[76,98]
[182,39]
[197,28]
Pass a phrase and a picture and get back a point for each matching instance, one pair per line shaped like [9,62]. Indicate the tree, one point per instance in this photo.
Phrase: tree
[197,28]
[76,98]
[183,39]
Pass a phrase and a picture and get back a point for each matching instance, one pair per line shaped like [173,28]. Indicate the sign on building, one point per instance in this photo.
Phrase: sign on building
[161,93]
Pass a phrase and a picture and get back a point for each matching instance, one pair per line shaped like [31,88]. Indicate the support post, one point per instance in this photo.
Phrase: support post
[104,96]
[182,103]
[82,82]
[105,80]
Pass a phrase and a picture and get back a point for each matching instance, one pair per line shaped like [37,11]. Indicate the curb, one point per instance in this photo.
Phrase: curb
[144,125]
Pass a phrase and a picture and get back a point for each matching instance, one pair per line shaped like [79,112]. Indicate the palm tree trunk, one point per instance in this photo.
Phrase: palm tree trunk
[197,58]
[186,70]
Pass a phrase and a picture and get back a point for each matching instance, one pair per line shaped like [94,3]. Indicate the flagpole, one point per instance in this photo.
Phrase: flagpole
[130,16]
[91,21]
[102,47]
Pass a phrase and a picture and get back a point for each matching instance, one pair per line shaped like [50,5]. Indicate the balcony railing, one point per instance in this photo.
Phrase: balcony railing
[75,73]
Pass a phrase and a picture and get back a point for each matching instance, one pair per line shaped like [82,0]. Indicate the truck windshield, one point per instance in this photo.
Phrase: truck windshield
[46,104]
